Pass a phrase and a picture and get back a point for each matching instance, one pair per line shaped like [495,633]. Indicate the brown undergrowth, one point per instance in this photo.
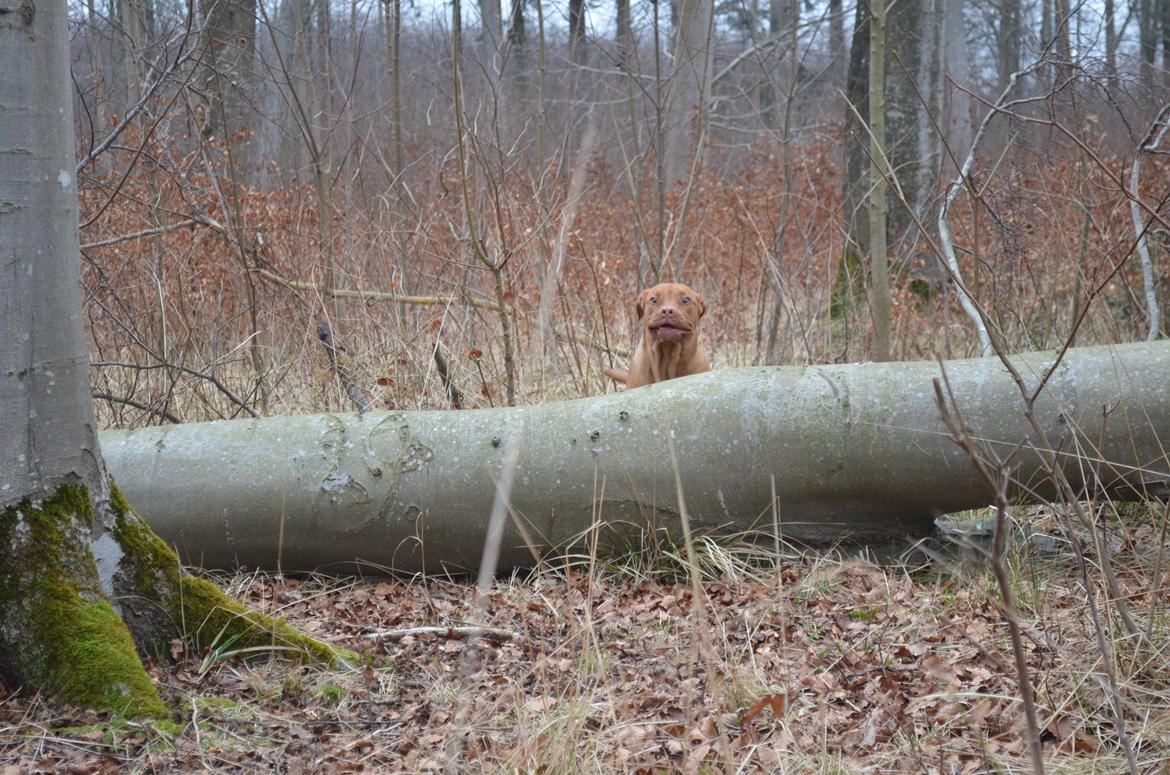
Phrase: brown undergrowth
[171,313]
[816,665]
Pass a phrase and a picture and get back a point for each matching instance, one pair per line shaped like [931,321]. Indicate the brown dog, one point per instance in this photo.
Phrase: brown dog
[670,314]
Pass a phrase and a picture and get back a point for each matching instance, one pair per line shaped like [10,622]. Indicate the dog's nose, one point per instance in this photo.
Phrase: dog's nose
[667,312]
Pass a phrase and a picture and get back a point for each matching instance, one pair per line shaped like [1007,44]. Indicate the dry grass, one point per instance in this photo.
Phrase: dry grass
[871,668]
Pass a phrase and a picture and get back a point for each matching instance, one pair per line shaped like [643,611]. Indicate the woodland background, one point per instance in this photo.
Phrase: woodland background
[301,206]
[240,159]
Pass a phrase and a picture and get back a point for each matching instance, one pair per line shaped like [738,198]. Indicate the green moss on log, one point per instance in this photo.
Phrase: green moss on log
[58,632]
[202,611]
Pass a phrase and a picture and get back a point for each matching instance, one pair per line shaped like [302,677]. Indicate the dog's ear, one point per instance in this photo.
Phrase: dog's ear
[702,304]
[640,303]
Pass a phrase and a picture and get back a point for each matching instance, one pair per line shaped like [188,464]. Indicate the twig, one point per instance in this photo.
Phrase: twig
[164,363]
[133,112]
[298,285]
[163,413]
[961,181]
[451,633]
[453,390]
[138,153]
[699,601]
[996,478]
[1150,142]
[1114,176]
[140,234]
[477,245]
[340,363]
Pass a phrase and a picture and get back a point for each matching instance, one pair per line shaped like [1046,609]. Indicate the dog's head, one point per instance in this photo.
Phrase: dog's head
[670,312]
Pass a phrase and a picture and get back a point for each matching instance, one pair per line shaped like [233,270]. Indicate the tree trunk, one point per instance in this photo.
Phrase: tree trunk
[1009,41]
[854,451]
[783,15]
[229,33]
[1147,39]
[1111,41]
[394,76]
[689,89]
[956,62]
[577,32]
[1063,20]
[879,272]
[912,71]
[490,39]
[1164,5]
[519,76]
[623,35]
[847,277]
[541,83]
[137,28]
[911,32]
[837,42]
[82,579]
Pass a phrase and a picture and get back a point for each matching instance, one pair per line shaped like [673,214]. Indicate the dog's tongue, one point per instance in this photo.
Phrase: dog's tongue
[669,333]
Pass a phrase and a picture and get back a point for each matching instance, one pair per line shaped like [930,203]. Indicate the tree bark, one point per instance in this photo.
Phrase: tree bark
[847,277]
[879,272]
[855,451]
[1164,5]
[783,17]
[577,32]
[690,88]
[1009,41]
[957,108]
[1147,39]
[1111,41]
[82,579]
[911,35]
[518,73]
[837,50]
[912,72]
[490,41]
[137,28]
[229,33]
[394,76]
[1064,21]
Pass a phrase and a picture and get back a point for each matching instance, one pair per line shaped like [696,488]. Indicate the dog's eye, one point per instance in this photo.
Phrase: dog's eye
[653,299]
[686,300]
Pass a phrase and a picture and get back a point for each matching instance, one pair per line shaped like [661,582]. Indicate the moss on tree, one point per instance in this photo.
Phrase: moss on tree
[58,631]
[199,609]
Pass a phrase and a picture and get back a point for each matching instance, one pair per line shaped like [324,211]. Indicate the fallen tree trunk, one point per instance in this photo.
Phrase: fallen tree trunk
[856,451]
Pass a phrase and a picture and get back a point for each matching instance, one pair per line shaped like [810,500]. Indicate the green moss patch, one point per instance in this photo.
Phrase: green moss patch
[98,665]
[59,633]
[200,609]
[207,612]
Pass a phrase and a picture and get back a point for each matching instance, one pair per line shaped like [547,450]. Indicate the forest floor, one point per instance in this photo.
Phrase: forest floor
[818,664]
